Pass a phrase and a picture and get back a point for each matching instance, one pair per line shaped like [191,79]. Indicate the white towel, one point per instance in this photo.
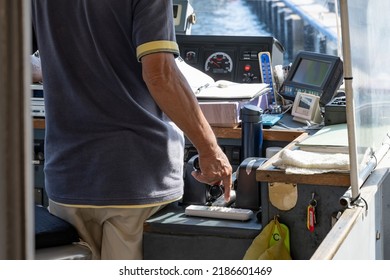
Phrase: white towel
[302,162]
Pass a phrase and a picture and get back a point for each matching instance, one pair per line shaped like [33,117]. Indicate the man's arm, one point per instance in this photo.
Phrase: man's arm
[174,96]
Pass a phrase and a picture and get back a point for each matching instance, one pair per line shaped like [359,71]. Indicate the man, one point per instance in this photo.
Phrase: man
[116,107]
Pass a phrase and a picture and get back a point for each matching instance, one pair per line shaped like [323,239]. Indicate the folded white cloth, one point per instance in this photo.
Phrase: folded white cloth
[302,162]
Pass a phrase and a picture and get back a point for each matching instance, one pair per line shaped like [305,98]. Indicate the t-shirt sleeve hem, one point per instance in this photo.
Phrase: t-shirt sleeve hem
[157,46]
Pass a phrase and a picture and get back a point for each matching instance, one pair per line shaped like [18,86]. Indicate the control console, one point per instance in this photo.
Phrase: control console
[232,58]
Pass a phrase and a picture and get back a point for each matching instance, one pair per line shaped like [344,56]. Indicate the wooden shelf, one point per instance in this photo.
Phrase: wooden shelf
[39,123]
[225,132]
[268,134]
[268,173]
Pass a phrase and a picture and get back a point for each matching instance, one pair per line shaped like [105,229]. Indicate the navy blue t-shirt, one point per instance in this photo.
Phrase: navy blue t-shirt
[107,142]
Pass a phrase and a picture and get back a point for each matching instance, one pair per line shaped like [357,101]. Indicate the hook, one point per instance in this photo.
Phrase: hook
[313,201]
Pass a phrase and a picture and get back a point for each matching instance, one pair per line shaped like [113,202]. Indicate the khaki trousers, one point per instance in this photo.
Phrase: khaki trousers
[110,233]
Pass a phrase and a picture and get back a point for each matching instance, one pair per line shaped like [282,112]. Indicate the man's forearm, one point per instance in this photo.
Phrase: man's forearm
[174,96]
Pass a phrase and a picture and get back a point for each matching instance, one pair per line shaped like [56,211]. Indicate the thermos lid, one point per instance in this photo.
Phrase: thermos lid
[251,113]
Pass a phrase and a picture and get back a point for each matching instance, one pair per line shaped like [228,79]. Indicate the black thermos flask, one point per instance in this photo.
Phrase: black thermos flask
[251,131]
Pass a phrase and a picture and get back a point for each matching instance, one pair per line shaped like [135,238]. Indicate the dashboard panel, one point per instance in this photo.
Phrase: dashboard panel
[232,58]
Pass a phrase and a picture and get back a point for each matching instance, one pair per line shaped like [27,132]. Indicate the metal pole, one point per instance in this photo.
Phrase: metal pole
[348,79]
[16,191]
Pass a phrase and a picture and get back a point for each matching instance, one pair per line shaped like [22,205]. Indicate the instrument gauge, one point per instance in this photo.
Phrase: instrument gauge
[191,56]
[219,63]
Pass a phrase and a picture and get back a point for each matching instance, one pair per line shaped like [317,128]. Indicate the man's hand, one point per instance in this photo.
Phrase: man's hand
[215,169]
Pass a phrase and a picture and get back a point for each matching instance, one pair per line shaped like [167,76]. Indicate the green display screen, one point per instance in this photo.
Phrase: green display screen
[311,72]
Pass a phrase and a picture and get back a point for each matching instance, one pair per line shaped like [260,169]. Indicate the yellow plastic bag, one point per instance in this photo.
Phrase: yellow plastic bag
[273,243]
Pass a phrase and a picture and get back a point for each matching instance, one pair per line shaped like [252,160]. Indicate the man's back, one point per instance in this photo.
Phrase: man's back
[107,142]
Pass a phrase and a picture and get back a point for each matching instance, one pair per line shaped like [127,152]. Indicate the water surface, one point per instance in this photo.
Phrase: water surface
[225,17]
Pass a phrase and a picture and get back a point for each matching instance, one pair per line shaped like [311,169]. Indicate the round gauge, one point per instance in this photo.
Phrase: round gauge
[219,63]
[191,56]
